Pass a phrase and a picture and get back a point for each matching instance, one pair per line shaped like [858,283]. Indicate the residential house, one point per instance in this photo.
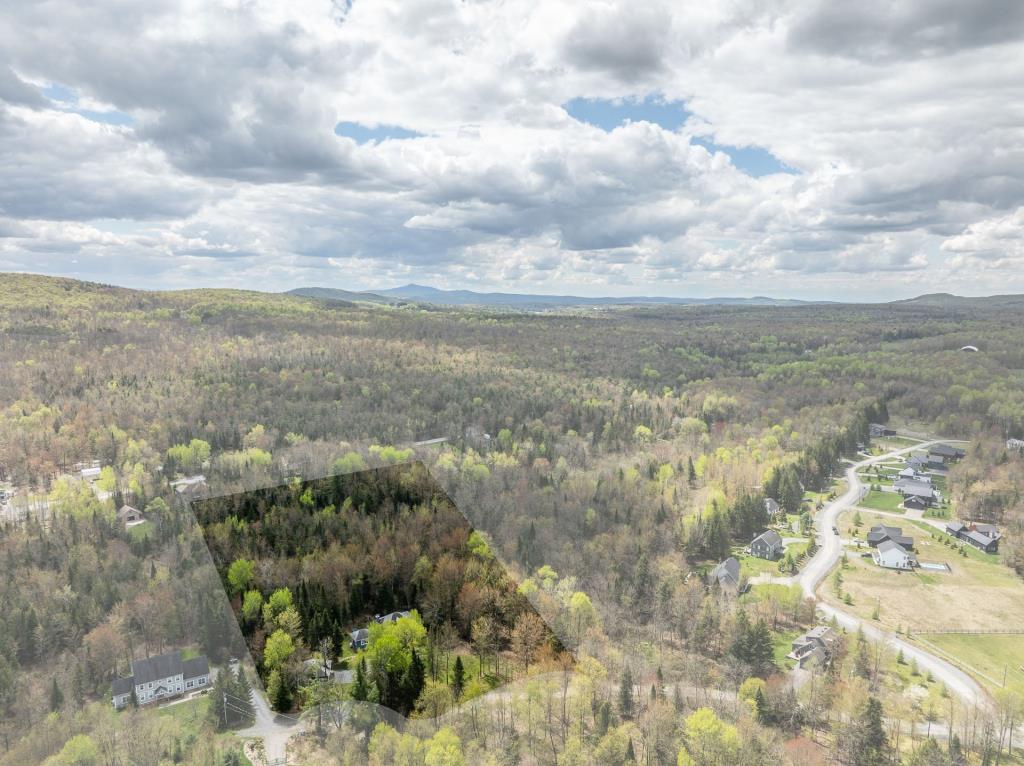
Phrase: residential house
[910,474]
[915,503]
[161,677]
[892,555]
[936,462]
[190,486]
[1017,444]
[815,646]
[767,545]
[984,537]
[393,617]
[882,533]
[877,429]
[130,516]
[726,574]
[772,507]
[360,639]
[91,474]
[910,488]
[918,462]
[946,452]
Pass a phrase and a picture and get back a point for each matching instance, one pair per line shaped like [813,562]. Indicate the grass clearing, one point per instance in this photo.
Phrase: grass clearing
[190,714]
[141,531]
[783,644]
[978,594]
[988,655]
[882,501]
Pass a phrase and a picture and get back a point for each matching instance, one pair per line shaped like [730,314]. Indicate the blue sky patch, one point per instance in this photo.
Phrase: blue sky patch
[66,99]
[608,114]
[363,134]
[752,160]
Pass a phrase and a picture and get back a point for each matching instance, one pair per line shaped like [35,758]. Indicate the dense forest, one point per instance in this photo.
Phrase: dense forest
[309,562]
[610,456]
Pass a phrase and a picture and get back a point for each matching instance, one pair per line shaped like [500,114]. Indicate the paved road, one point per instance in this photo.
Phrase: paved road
[830,551]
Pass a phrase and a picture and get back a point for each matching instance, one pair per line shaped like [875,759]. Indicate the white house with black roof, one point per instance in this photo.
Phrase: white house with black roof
[161,677]
[892,555]
[881,533]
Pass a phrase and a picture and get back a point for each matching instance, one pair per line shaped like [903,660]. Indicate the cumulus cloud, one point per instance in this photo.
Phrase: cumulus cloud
[192,141]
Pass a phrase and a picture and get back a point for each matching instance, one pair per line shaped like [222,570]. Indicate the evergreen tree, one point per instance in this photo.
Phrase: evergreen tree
[863,741]
[626,693]
[360,691]
[604,718]
[761,707]
[691,472]
[242,699]
[458,678]
[56,697]
[412,683]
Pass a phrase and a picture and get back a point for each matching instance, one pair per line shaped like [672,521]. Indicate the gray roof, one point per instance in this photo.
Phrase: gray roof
[362,634]
[988,529]
[918,488]
[946,450]
[888,545]
[771,538]
[122,686]
[954,526]
[881,533]
[727,570]
[157,668]
[980,538]
[195,667]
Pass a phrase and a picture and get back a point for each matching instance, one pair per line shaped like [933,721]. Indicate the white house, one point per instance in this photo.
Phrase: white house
[161,677]
[892,555]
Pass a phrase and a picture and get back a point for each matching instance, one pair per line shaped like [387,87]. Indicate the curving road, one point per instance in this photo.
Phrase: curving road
[831,550]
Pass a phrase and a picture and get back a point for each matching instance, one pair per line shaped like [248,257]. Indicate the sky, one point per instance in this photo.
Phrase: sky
[822,150]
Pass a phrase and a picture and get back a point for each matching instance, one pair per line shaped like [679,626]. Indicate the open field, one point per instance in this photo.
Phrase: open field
[979,593]
[882,501]
[987,656]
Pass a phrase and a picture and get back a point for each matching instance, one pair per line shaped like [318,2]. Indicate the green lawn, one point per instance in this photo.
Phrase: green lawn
[882,501]
[988,655]
[783,644]
[141,531]
[190,714]
[751,566]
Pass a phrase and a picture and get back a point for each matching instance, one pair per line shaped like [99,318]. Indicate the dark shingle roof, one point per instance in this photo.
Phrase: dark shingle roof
[157,668]
[771,537]
[728,570]
[122,686]
[195,667]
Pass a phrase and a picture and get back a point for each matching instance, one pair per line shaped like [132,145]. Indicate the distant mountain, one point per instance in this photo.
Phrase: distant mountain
[948,300]
[334,294]
[426,294]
